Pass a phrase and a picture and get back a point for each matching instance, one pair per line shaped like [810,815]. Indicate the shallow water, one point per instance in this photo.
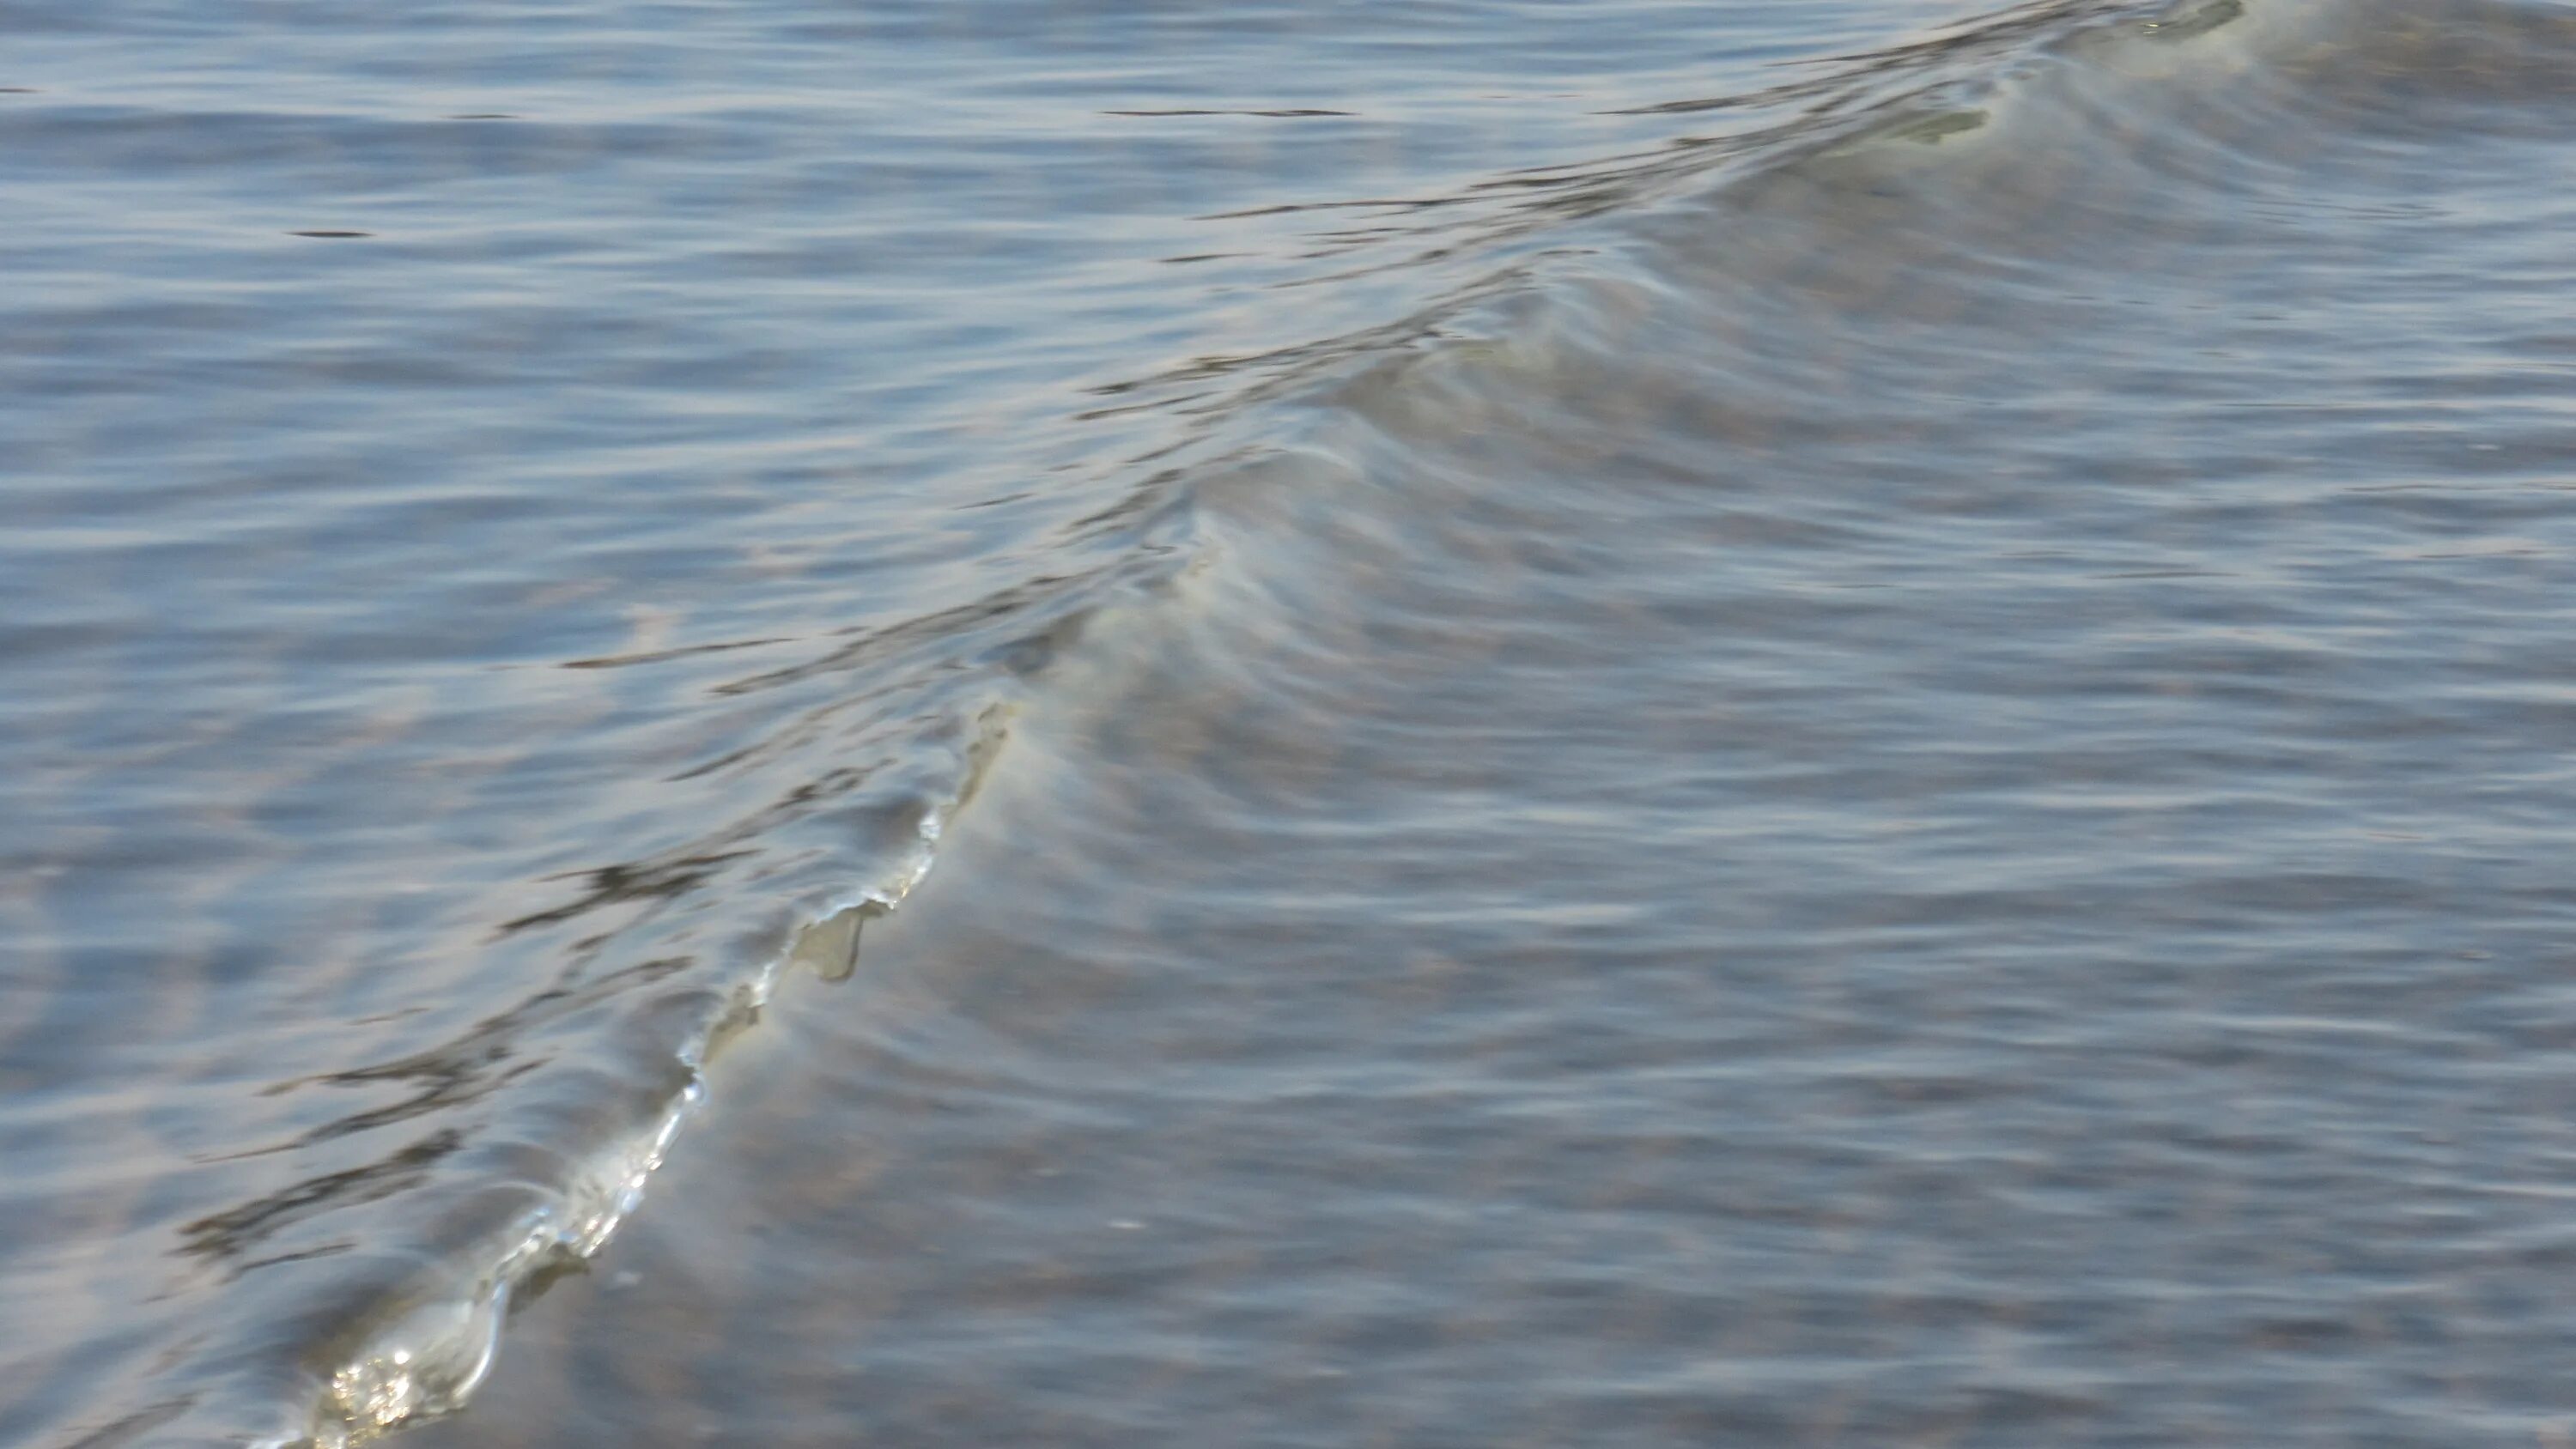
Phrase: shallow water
[1807,723]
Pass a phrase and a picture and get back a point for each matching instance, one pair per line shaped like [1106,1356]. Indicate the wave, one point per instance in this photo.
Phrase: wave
[371,1290]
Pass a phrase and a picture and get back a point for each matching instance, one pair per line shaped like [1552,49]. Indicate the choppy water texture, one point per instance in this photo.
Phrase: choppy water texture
[1623,723]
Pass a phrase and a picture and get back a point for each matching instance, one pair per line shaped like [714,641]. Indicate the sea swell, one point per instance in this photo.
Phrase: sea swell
[1730,289]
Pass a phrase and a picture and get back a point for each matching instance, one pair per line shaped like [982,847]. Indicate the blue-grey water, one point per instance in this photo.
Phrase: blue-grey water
[1288,723]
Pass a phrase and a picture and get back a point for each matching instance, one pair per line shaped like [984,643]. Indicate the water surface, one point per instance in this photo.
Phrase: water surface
[1633,724]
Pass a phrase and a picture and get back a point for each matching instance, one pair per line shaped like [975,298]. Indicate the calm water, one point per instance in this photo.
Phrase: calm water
[1614,723]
